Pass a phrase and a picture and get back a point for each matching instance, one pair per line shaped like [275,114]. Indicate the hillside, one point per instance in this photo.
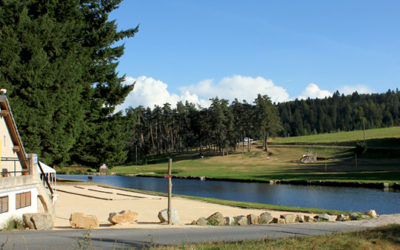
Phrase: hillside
[336,160]
[345,137]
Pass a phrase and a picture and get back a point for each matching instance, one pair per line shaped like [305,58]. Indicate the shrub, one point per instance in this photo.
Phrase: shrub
[14,223]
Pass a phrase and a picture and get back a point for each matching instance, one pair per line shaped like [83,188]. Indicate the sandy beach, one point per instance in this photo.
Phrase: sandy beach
[100,201]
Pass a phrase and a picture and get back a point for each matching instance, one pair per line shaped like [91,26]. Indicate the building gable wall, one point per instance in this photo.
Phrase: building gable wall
[9,159]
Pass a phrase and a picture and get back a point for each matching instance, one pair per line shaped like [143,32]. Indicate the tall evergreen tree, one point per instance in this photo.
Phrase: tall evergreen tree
[103,89]
[42,67]
[267,120]
[58,62]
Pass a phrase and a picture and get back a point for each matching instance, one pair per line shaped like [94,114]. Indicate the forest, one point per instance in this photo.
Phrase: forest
[58,62]
[224,125]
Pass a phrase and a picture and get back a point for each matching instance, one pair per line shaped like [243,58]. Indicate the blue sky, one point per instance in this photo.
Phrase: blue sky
[198,49]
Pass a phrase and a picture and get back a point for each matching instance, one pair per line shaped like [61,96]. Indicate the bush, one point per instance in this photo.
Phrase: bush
[14,224]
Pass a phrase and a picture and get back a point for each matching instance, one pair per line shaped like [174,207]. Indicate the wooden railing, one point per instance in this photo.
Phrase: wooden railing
[46,179]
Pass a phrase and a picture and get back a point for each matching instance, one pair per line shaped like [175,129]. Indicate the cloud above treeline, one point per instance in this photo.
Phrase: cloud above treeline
[149,92]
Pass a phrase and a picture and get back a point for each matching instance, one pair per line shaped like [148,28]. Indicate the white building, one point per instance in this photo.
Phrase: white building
[21,189]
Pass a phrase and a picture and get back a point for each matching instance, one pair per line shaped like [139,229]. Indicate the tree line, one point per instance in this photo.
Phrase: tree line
[226,126]
[222,126]
[340,113]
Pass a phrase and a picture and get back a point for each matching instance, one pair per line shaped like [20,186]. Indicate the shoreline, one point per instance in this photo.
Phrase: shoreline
[232,203]
[99,200]
[387,186]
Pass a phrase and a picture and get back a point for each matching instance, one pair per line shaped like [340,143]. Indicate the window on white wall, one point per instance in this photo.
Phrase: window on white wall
[4,204]
[23,200]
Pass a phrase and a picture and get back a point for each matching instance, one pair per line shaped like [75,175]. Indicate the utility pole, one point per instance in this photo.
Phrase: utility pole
[136,154]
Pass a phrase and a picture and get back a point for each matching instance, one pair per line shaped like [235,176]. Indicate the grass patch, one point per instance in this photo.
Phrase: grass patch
[340,137]
[336,163]
[387,237]
[253,205]
[14,224]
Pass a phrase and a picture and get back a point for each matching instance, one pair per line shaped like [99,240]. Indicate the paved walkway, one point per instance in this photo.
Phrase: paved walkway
[139,238]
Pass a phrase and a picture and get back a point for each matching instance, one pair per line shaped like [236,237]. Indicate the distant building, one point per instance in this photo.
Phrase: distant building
[103,168]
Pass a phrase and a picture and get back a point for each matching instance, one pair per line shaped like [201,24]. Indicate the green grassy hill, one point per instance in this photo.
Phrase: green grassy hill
[344,137]
[335,161]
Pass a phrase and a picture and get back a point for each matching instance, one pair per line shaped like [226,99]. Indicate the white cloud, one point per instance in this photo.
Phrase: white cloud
[313,91]
[240,87]
[149,92]
[361,89]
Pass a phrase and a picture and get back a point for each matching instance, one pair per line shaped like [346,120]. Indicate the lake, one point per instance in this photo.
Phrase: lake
[326,197]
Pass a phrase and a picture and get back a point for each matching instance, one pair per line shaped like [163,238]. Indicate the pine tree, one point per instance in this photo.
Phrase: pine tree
[266,118]
[59,66]
[42,68]
[103,87]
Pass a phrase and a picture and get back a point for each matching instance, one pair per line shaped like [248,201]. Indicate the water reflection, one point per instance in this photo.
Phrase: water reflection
[337,198]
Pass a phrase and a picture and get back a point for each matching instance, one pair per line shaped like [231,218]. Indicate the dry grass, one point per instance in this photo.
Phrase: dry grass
[387,237]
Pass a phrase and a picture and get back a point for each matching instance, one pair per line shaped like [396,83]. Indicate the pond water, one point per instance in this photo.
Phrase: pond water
[336,198]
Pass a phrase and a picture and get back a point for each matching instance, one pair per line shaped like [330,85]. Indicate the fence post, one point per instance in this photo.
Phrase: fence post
[169,190]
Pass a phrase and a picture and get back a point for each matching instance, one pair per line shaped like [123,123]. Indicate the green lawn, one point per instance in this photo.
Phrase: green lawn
[281,163]
[340,137]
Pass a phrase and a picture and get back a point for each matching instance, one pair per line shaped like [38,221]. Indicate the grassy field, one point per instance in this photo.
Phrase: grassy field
[387,237]
[344,137]
[336,161]
[281,163]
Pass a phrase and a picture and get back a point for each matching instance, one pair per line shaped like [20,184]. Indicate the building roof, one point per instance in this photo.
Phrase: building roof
[46,169]
[13,130]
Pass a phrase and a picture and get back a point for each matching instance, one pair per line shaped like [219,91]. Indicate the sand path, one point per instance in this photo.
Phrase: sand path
[100,201]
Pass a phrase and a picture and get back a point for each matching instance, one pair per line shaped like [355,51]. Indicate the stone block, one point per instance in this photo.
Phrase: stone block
[252,219]
[216,219]
[265,218]
[80,220]
[163,216]
[123,217]
[38,221]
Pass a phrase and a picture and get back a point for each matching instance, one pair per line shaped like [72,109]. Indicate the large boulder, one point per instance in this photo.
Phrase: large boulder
[252,219]
[241,220]
[371,213]
[123,217]
[216,219]
[278,220]
[229,221]
[354,216]
[265,218]
[202,221]
[342,217]
[163,216]
[308,218]
[326,217]
[289,218]
[80,220]
[38,221]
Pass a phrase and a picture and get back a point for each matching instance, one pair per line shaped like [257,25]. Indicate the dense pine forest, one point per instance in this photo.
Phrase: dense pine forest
[58,61]
[224,125]
[340,113]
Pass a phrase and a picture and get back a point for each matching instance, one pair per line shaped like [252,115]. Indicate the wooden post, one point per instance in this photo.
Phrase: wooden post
[356,159]
[169,190]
